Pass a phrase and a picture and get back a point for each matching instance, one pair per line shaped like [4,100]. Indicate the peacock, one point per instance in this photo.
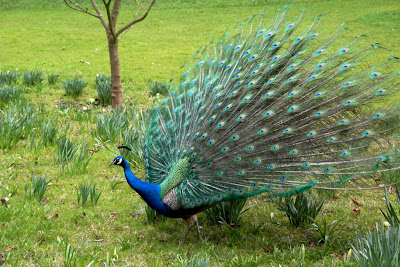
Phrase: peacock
[272,110]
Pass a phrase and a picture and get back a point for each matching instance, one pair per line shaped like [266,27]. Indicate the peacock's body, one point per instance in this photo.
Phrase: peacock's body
[270,111]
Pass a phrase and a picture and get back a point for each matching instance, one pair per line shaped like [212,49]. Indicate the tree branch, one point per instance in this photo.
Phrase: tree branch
[101,17]
[130,24]
[114,13]
[112,29]
[77,7]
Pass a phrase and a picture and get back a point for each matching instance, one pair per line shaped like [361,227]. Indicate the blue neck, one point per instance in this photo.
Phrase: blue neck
[149,192]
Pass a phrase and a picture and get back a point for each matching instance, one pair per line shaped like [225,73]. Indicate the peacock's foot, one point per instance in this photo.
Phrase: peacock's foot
[190,221]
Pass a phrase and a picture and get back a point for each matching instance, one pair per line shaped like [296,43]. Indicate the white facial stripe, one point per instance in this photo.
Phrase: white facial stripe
[119,161]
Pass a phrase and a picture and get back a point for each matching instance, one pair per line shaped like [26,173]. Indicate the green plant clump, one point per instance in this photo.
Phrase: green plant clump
[74,87]
[85,192]
[9,94]
[158,88]
[229,212]
[38,188]
[9,77]
[391,215]
[379,247]
[32,78]
[53,79]
[300,209]
[103,87]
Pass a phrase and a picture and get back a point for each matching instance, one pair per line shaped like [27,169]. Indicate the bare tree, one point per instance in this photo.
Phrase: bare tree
[109,22]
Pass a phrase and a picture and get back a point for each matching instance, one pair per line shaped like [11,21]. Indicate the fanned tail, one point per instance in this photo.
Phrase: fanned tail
[267,110]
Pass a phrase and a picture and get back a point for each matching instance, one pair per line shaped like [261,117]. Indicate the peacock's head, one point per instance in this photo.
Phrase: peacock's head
[118,161]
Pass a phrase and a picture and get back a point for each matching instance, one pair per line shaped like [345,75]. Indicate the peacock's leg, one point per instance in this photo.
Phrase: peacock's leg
[190,221]
[197,226]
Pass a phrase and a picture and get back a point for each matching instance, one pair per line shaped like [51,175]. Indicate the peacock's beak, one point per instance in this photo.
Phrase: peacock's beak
[112,163]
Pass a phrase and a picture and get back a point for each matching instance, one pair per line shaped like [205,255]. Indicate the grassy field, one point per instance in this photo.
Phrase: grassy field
[58,41]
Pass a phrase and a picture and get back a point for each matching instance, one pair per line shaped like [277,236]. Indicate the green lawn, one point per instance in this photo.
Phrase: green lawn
[32,37]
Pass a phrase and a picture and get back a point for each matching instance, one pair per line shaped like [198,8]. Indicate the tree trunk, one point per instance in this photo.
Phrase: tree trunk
[116,87]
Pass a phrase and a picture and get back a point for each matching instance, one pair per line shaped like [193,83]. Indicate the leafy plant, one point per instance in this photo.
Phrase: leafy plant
[114,182]
[300,209]
[39,186]
[32,78]
[8,77]
[379,247]
[135,136]
[69,256]
[15,123]
[191,260]
[53,78]
[111,125]
[48,132]
[324,229]
[74,87]
[67,150]
[81,159]
[158,88]
[239,260]
[391,215]
[229,212]
[9,94]
[85,192]
[103,87]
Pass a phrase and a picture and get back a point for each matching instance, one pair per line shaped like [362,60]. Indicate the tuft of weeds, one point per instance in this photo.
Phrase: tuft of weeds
[85,192]
[16,123]
[127,243]
[37,189]
[135,136]
[69,256]
[191,260]
[9,94]
[300,209]
[67,150]
[72,156]
[111,125]
[230,212]
[103,87]
[32,78]
[9,77]
[48,132]
[53,79]
[391,215]
[74,87]
[114,182]
[239,260]
[158,88]
[81,159]
[379,247]
[324,229]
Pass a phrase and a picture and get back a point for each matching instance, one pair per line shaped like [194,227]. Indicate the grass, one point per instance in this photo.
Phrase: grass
[61,231]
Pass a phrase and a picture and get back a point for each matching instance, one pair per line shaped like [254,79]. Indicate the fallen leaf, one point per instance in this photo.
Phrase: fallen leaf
[336,196]
[4,201]
[112,216]
[11,248]
[356,211]
[269,250]
[52,216]
[313,246]
[359,203]
[44,200]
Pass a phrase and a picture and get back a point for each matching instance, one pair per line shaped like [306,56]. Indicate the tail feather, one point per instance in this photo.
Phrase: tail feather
[270,111]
